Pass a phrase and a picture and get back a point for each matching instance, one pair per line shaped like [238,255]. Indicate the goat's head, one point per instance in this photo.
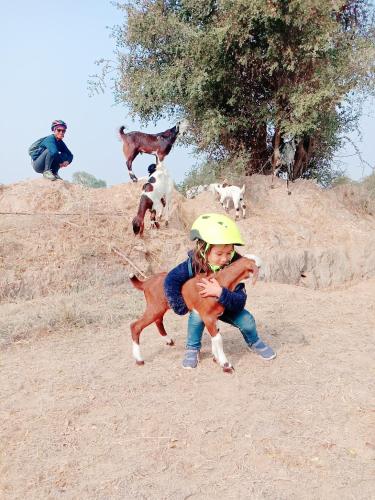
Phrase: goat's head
[182,127]
[138,225]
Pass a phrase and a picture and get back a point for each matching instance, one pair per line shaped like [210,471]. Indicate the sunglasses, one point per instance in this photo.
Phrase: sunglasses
[60,130]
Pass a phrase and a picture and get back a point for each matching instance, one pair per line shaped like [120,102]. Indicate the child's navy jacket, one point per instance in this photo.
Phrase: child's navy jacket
[232,301]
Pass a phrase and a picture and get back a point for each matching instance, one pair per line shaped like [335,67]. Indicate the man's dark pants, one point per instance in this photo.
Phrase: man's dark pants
[47,161]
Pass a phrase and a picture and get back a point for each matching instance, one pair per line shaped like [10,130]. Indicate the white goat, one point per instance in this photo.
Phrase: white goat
[156,196]
[195,190]
[235,194]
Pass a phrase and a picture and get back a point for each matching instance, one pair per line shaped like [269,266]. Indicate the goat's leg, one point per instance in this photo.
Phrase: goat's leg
[243,206]
[136,329]
[226,204]
[129,164]
[217,345]
[222,201]
[160,326]
[154,223]
[167,208]
[159,160]
[237,211]
[161,209]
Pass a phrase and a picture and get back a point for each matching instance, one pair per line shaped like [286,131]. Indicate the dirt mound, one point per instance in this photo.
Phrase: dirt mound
[59,236]
[309,237]
[81,420]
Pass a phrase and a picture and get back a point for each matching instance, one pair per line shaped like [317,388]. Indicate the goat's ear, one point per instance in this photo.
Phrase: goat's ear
[255,258]
[243,189]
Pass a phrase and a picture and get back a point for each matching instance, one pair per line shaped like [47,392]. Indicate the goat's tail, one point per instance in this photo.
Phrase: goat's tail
[121,130]
[137,283]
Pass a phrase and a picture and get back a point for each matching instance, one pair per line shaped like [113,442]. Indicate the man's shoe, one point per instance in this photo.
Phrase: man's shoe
[48,174]
[58,177]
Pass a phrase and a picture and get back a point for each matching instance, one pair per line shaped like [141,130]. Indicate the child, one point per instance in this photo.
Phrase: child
[215,236]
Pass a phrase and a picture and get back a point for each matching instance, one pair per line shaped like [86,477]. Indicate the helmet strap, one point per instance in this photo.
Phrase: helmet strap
[214,267]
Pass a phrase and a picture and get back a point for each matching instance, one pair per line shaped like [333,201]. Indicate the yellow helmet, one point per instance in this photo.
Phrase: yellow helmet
[216,229]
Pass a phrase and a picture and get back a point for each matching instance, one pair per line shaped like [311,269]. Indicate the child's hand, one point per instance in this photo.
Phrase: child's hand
[209,288]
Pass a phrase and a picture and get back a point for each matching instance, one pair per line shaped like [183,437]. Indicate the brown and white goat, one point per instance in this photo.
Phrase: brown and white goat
[155,144]
[156,197]
[208,308]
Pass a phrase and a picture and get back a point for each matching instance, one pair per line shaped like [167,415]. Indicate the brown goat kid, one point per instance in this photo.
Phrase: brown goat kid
[155,144]
[208,308]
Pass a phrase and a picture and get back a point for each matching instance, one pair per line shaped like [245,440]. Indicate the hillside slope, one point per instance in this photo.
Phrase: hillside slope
[58,236]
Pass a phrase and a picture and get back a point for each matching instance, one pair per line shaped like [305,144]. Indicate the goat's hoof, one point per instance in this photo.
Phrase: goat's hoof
[214,360]
[139,363]
[289,192]
[166,223]
[170,342]
[228,368]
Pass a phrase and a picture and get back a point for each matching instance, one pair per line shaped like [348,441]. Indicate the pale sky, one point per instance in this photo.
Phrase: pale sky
[47,53]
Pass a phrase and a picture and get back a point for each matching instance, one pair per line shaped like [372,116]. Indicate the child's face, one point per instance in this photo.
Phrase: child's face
[220,255]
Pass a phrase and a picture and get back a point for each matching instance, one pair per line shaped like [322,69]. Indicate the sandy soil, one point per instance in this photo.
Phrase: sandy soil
[79,420]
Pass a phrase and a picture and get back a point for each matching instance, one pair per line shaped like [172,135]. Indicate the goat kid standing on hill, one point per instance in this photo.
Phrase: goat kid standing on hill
[156,144]
[234,193]
[194,191]
[156,197]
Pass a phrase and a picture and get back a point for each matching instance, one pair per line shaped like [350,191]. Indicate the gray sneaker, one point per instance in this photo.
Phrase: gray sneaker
[264,350]
[191,358]
[48,174]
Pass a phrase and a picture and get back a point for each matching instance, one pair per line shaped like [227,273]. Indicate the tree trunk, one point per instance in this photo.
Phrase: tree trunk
[276,156]
[257,143]
[303,154]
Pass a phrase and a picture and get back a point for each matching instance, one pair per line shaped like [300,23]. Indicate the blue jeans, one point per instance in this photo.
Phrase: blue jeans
[243,320]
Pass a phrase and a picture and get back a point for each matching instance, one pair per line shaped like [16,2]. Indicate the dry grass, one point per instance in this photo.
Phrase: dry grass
[358,197]
[96,307]
[80,420]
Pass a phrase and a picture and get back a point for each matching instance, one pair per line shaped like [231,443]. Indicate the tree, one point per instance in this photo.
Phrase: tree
[88,180]
[246,74]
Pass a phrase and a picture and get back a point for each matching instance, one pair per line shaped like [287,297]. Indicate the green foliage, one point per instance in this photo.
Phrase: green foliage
[237,69]
[341,180]
[88,180]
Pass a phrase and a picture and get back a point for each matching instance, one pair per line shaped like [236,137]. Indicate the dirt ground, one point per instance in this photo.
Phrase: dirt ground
[78,418]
